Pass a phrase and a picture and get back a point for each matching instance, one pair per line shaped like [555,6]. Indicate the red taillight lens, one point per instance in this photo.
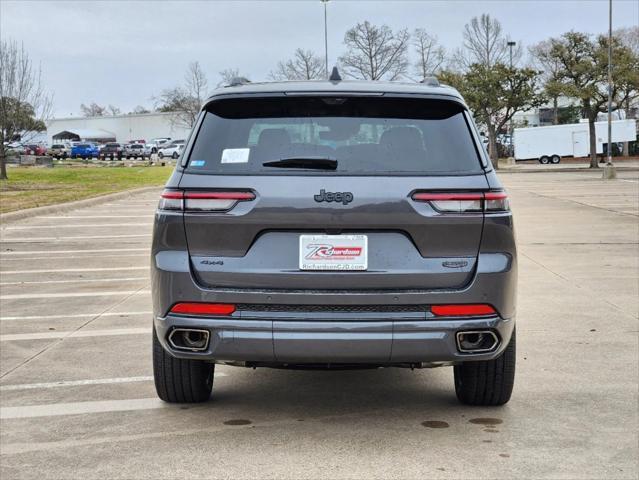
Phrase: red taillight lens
[203,308]
[202,201]
[212,201]
[452,202]
[462,310]
[465,202]
[171,200]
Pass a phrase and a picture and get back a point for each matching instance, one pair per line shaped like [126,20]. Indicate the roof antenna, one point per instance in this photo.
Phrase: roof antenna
[335,76]
[235,81]
[430,81]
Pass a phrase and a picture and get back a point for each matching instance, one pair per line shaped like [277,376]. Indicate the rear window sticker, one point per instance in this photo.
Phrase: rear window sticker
[235,155]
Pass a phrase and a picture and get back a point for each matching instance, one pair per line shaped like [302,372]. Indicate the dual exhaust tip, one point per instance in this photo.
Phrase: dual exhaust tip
[477,341]
[189,339]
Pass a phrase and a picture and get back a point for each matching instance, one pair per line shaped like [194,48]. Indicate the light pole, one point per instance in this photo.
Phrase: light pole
[325,38]
[510,46]
[609,169]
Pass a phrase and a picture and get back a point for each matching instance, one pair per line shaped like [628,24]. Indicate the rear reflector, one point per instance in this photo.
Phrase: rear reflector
[202,201]
[203,308]
[462,310]
[465,202]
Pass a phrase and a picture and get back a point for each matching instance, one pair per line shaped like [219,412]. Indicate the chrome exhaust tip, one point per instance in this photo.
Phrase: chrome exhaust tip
[477,341]
[189,339]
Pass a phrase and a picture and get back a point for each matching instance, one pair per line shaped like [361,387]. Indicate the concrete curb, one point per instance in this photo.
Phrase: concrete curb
[564,169]
[64,207]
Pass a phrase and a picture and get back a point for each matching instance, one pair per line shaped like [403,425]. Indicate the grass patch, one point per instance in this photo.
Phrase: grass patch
[36,187]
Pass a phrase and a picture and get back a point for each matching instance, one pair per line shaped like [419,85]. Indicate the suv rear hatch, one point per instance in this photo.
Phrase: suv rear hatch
[333,193]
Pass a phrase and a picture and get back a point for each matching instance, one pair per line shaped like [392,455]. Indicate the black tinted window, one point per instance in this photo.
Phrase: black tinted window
[364,135]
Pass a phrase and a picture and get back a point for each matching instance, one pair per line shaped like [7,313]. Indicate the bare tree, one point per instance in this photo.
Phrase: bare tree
[113,110]
[140,109]
[304,65]
[485,43]
[185,102]
[550,68]
[25,106]
[196,82]
[228,75]
[629,37]
[93,110]
[375,52]
[430,55]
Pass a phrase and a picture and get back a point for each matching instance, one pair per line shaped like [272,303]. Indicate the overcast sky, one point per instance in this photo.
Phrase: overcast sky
[124,53]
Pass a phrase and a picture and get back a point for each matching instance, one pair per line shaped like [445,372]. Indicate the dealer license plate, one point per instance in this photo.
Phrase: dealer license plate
[333,252]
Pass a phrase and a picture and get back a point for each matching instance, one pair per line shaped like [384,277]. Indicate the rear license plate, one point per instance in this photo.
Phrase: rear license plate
[333,252]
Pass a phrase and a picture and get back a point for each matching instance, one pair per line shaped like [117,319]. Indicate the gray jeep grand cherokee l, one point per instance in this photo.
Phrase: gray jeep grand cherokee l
[334,224]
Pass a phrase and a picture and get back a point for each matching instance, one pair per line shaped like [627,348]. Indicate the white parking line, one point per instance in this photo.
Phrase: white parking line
[66,270]
[79,225]
[25,296]
[146,255]
[76,315]
[91,237]
[78,408]
[73,383]
[77,280]
[49,252]
[64,217]
[74,334]
[76,383]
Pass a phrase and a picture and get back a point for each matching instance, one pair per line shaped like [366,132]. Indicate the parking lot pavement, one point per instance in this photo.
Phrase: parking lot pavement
[77,398]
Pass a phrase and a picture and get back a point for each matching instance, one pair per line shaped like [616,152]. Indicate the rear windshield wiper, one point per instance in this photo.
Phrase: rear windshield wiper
[316,163]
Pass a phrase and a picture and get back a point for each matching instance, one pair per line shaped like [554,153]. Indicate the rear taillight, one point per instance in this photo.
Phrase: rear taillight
[479,309]
[203,308]
[496,202]
[465,202]
[193,201]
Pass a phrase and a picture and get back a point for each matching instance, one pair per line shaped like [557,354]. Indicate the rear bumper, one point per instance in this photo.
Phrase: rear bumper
[323,341]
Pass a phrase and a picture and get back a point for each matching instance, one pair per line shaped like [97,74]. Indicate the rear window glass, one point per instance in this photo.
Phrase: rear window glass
[362,135]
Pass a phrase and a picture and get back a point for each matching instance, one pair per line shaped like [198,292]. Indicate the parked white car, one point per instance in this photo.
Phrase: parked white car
[171,149]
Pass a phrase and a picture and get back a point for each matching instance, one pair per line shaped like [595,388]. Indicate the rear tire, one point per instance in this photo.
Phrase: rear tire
[544,160]
[487,383]
[555,159]
[178,380]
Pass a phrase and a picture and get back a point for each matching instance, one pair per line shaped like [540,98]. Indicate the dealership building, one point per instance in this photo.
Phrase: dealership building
[118,128]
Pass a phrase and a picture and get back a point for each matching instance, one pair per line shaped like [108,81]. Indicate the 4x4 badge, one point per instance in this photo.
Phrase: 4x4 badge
[324,196]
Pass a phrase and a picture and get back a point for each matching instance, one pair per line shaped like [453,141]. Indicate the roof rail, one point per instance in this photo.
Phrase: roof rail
[236,81]
[430,81]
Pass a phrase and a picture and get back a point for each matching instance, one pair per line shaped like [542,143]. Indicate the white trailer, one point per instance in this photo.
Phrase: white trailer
[549,144]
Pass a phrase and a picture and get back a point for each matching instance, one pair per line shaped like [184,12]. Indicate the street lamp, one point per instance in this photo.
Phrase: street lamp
[609,169]
[325,38]
[510,46]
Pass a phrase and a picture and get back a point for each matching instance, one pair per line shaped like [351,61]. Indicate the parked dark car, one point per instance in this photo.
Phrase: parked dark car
[84,150]
[334,225]
[112,151]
